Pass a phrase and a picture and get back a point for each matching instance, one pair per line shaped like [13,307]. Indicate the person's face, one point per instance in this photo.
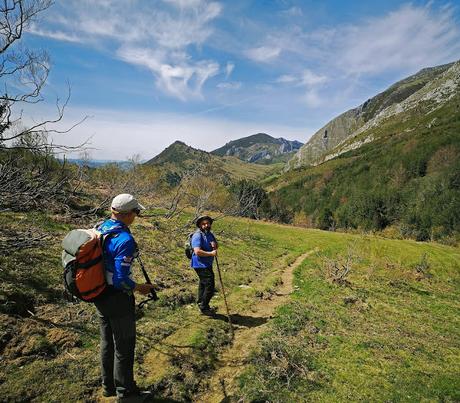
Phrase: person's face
[205,225]
[131,216]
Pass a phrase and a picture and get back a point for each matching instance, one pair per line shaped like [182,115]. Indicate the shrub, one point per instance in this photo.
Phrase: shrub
[280,371]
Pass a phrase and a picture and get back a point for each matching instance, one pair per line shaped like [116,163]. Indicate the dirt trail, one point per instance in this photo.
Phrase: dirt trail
[232,361]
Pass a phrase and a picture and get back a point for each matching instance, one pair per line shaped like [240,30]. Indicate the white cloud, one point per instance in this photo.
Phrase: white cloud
[311,81]
[189,27]
[229,69]
[348,57]
[145,34]
[56,35]
[182,78]
[286,79]
[405,39]
[231,85]
[171,39]
[263,53]
[185,3]
[309,78]
[293,12]
[150,133]
[313,99]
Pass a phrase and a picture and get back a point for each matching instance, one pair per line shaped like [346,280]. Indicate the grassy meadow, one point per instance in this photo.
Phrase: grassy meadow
[388,331]
[371,319]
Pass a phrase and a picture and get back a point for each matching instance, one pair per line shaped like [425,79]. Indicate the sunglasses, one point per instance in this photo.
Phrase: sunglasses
[137,211]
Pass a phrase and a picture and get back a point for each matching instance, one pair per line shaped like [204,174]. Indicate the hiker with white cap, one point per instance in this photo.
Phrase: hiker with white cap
[116,308]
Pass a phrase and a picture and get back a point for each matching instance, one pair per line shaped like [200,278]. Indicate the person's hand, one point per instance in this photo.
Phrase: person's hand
[214,252]
[213,244]
[144,289]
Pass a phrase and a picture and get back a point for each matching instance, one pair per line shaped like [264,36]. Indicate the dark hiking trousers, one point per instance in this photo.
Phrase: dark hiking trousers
[118,339]
[206,287]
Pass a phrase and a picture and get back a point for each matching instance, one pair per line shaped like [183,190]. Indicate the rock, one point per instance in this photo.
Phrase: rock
[352,299]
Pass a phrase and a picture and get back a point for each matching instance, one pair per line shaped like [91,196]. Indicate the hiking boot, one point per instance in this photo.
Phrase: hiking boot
[208,311]
[135,395]
[108,391]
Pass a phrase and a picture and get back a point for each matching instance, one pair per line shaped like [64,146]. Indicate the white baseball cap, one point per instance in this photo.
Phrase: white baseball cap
[124,203]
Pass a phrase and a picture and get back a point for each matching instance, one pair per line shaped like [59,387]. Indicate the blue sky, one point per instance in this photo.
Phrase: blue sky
[206,72]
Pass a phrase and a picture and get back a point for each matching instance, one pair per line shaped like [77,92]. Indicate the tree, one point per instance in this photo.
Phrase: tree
[326,219]
[248,198]
[30,176]
[23,74]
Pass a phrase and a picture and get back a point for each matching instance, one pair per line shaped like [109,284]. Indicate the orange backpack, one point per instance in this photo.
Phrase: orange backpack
[83,262]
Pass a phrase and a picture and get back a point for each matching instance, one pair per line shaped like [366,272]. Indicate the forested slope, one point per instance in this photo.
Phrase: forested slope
[406,179]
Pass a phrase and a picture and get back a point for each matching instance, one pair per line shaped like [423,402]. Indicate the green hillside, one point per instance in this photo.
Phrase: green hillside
[180,154]
[179,158]
[259,138]
[386,331]
[405,181]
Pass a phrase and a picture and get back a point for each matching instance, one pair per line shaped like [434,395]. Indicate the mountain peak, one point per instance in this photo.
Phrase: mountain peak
[178,143]
[177,152]
[259,148]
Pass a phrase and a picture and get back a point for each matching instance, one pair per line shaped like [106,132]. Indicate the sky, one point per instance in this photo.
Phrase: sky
[147,73]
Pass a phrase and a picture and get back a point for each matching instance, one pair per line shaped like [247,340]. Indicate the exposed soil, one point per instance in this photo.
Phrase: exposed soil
[248,328]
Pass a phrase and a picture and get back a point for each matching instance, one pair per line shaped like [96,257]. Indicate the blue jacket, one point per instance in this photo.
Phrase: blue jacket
[119,250]
[202,240]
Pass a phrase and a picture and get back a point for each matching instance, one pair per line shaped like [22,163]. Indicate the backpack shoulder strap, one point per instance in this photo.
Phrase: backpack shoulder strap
[105,236]
[201,234]
[190,236]
[98,224]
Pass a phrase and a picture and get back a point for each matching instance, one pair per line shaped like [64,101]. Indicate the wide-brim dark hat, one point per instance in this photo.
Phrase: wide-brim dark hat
[201,218]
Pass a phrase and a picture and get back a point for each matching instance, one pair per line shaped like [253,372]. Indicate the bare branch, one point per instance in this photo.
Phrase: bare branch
[15,15]
[25,73]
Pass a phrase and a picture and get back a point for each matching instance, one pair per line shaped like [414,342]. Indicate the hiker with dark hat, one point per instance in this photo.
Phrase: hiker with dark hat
[204,246]
[116,308]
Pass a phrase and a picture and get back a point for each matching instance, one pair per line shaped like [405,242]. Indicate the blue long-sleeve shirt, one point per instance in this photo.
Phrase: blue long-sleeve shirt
[119,249]
[202,240]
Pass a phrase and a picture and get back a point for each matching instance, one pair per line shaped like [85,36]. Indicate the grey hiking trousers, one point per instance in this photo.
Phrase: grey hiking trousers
[118,340]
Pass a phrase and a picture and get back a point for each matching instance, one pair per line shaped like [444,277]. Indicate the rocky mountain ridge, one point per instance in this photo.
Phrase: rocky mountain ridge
[425,91]
[260,148]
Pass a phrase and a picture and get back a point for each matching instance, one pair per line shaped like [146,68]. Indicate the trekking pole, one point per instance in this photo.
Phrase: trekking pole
[225,298]
[152,295]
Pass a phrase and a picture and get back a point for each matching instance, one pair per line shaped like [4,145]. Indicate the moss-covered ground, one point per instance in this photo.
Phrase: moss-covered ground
[387,331]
